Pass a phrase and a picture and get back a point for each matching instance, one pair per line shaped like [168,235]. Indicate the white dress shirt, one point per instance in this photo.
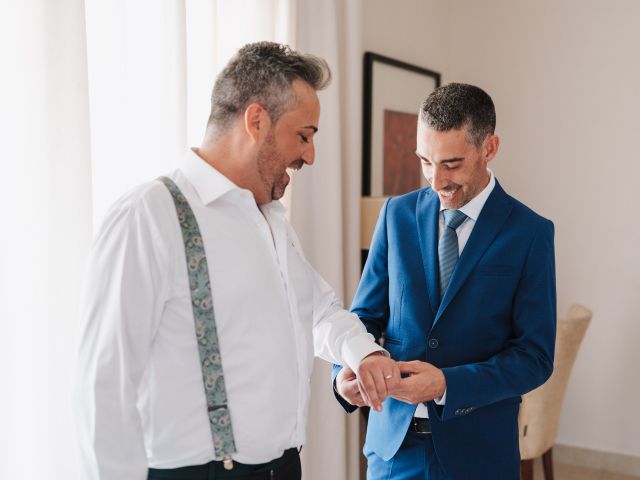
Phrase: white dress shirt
[140,399]
[472,210]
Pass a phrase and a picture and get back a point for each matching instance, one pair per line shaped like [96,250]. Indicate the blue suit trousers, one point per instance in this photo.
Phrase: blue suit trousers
[415,460]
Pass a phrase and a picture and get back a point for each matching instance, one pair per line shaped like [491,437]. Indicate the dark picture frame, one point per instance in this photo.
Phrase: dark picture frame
[392,93]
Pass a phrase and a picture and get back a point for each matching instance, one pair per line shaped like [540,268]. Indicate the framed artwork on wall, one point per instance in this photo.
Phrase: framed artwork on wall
[393,92]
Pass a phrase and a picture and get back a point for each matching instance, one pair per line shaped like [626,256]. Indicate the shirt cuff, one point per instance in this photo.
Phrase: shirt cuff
[442,400]
[359,347]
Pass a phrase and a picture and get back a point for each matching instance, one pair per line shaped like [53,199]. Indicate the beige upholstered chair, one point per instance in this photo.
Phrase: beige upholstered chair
[540,409]
[369,210]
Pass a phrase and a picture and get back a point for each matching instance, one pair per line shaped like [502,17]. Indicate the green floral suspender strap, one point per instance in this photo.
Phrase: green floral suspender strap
[205,324]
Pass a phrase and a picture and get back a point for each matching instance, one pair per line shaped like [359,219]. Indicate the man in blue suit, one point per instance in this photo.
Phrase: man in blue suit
[460,281]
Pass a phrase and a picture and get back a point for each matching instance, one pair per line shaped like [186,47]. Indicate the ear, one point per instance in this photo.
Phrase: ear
[490,147]
[257,122]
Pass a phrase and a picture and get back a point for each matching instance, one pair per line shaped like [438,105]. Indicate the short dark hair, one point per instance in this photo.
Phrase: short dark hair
[263,72]
[455,105]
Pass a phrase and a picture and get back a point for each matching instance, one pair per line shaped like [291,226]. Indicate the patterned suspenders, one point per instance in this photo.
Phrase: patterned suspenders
[205,324]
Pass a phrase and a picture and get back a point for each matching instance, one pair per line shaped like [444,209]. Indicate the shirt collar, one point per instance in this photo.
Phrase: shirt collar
[473,208]
[210,184]
[276,207]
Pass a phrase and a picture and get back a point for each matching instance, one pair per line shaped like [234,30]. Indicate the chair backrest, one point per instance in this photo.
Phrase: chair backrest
[540,410]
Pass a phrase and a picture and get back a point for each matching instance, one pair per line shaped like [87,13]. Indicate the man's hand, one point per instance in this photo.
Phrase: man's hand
[425,382]
[377,376]
[347,386]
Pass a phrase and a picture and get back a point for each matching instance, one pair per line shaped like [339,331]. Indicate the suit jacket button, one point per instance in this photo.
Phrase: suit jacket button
[433,343]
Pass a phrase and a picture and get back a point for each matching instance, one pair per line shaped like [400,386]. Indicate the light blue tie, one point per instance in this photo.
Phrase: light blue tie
[448,247]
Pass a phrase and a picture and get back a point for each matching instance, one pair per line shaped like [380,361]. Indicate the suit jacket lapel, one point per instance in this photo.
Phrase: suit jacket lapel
[427,210]
[492,217]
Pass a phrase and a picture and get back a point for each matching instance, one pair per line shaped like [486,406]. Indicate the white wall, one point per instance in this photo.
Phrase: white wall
[413,31]
[565,77]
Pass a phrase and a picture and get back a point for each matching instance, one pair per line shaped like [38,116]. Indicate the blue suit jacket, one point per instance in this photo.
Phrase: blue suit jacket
[493,333]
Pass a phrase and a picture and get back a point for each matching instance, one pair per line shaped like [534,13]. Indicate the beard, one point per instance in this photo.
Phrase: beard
[455,201]
[272,168]
[463,193]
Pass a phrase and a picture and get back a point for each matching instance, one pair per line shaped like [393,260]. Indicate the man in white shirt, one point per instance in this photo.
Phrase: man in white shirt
[142,408]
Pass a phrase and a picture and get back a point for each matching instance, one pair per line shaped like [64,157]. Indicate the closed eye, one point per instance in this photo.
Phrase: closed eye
[304,138]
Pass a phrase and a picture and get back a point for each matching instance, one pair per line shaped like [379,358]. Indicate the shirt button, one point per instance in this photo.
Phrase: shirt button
[433,343]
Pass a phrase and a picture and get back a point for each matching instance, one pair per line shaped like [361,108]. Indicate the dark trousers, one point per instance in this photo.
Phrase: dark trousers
[286,467]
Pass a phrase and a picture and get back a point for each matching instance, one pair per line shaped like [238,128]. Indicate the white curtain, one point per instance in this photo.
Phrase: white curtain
[45,206]
[99,96]
[324,211]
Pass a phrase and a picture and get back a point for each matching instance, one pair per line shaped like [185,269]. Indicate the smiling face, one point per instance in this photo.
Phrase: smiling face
[289,143]
[454,167]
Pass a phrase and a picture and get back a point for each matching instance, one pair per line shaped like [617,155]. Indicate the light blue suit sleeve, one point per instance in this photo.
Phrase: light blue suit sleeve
[371,302]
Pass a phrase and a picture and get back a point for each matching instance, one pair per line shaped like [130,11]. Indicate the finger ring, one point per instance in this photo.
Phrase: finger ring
[387,377]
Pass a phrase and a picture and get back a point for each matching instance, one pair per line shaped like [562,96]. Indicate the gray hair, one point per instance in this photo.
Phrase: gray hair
[455,105]
[263,72]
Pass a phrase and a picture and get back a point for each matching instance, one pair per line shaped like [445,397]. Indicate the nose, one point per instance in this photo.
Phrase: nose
[309,154]
[439,178]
